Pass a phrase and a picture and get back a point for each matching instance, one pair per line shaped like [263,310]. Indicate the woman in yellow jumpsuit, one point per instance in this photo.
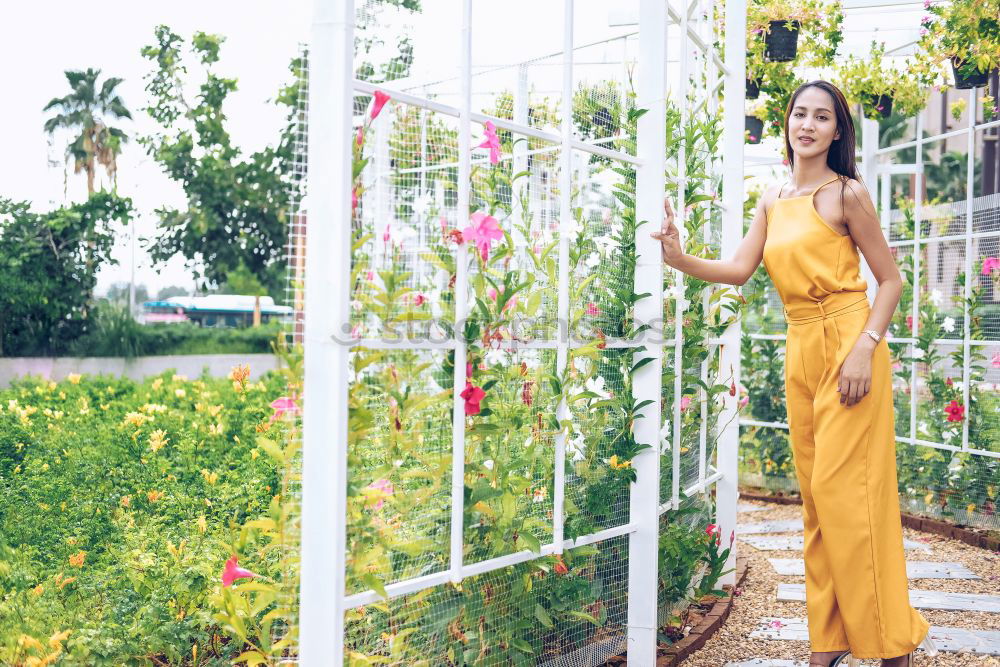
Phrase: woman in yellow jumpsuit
[838,381]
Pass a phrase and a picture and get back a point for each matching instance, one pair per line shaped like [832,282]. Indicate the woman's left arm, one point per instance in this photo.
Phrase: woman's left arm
[861,219]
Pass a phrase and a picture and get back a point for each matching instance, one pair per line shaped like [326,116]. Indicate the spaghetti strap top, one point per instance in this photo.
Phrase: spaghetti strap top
[806,258]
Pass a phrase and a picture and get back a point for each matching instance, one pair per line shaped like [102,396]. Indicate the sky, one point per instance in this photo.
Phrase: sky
[261,37]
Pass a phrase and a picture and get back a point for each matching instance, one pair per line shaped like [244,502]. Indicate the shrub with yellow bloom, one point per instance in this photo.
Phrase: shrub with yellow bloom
[157,439]
[74,378]
[618,465]
[76,560]
[154,496]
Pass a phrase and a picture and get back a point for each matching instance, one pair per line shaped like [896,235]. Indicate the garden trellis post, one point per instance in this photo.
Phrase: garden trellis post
[324,419]
[643,583]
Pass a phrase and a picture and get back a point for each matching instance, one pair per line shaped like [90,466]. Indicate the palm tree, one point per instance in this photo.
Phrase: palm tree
[84,109]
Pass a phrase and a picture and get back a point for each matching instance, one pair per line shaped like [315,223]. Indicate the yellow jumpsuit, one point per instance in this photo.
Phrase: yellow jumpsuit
[845,457]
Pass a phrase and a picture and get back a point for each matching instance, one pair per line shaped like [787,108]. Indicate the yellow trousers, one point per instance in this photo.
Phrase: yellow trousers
[845,461]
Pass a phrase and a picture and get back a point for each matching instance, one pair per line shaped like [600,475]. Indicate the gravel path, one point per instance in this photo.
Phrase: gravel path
[758,599]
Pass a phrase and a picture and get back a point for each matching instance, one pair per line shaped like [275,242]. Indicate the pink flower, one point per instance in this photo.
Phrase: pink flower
[380,100]
[744,401]
[492,293]
[419,299]
[483,231]
[361,135]
[354,199]
[472,395]
[927,4]
[232,571]
[356,331]
[955,411]
[386,235]
[592,309]
[283,405]
[711,529]
[444,224]
[909,322]
[685,402]
[996,360]
[492,142]
[989,264]
[370,275]
[468,370]
[776,624]
[923,32]
[382,489]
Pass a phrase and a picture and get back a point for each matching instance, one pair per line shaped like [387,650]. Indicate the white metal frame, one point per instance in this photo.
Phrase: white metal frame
[878,176]
[323,598]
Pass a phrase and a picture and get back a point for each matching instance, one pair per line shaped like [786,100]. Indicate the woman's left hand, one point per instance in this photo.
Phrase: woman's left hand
[855,376]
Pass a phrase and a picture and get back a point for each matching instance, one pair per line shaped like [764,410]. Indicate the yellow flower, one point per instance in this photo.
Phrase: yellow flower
[56,640]
[237,386]
[52,386]
[45,466]
[176,551]
[125,501]
[136,419]
[970,507]
[214,410]
[62,395]
[254,454]
[76,560]
[74,378]
[180,393]
[211,478]
[27,641]
[179,378]
[157,439]
[38,590]
[929,498]
[613,462]
[17,468]
[157,383]
[154,496]
[215,429]
[240,373]
[63,582]
[202,524]
[71,541]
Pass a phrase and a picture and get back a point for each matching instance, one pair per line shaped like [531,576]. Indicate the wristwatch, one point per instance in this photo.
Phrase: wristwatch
[873,334]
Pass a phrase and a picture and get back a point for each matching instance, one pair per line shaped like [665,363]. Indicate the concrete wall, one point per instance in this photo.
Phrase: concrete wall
[191,365]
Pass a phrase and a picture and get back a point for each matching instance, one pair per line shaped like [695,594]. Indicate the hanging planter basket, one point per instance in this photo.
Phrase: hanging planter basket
[753,88]
[975,80]
[880,103]
[755,126]
[780,43]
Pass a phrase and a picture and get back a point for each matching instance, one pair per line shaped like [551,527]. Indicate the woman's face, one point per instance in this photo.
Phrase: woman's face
[812,125]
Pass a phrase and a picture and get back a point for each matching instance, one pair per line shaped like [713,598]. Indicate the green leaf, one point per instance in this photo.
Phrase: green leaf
[543,616]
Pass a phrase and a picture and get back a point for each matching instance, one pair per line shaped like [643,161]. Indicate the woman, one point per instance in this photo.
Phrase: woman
[808,232]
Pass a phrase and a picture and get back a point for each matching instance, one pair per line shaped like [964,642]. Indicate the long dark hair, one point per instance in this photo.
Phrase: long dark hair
[840,158]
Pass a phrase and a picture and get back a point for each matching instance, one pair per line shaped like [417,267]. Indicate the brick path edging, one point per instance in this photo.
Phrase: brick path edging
[708,625]
[964,534]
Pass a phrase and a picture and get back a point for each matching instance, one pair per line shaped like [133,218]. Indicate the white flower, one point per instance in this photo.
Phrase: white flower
[495,356]
[488,464]
[577,446]
[572,228]
[922,428]
[936,297]
[948,324]
[593,259]
[918,353]
[355,304]
[596,385]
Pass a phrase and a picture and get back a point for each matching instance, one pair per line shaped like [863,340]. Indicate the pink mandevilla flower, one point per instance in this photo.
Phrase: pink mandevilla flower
[592,309]
[955,411]
[492,142]
[232,571]
[472,395]
[685,402]
[382,488]
[989,264]
[283,405]
[996,360]
[483,231]
[380,100]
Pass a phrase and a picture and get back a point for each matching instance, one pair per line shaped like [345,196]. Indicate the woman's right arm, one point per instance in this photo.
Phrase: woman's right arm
[734,271]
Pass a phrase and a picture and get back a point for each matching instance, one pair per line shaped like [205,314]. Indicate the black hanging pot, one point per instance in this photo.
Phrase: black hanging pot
[755,126]
[880,103]
[753,88]
[603,118]
[974,80]
[781,44]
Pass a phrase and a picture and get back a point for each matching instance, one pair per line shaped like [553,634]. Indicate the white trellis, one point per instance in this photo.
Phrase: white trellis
[327,309]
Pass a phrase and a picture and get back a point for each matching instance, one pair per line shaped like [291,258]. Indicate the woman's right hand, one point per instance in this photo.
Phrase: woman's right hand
[669,236]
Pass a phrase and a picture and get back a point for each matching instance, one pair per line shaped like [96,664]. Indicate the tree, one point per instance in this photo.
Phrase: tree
[118,294]
[83,109]
[237,207]
[48,269]
[171,290]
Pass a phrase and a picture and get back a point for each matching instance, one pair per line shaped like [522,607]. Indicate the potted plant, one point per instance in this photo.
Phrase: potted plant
[754,123]
[966,33]
[873,84]
[775,26]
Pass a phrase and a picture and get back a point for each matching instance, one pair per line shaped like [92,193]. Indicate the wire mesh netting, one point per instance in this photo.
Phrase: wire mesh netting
[943,337]
[498,252]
